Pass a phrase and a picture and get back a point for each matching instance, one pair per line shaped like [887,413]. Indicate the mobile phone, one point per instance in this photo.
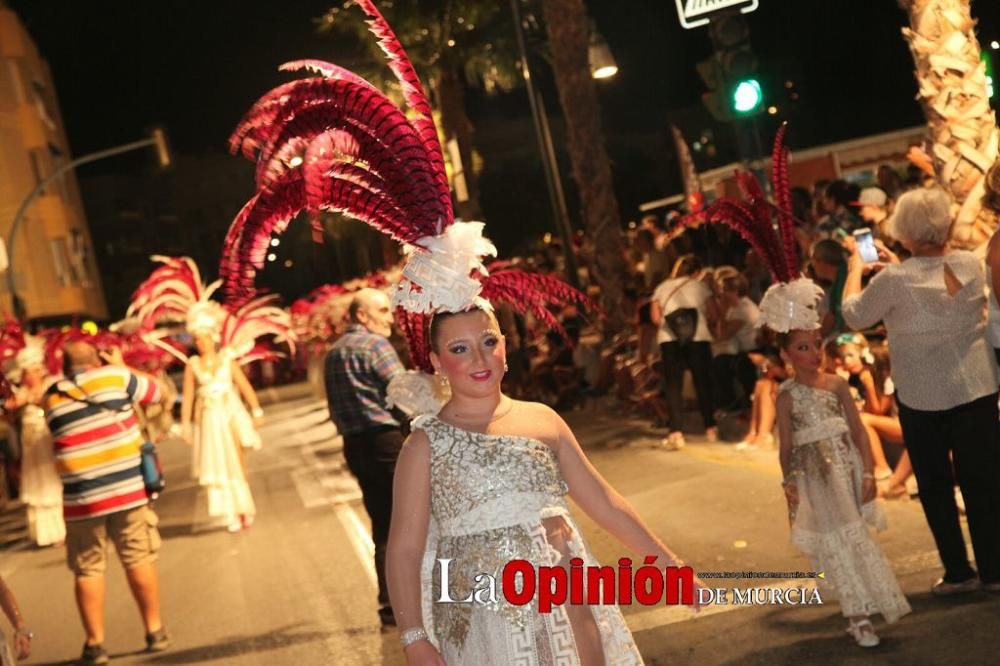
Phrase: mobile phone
[866,245]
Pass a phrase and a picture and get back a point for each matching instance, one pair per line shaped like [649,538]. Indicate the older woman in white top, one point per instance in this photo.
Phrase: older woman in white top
[945,375]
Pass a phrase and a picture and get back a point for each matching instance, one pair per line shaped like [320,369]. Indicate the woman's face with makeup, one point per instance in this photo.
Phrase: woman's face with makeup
[470,352]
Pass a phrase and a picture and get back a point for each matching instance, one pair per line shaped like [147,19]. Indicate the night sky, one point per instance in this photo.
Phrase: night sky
[195,66]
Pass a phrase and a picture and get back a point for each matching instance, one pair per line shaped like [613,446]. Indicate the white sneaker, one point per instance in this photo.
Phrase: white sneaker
[863,633]
[675,442]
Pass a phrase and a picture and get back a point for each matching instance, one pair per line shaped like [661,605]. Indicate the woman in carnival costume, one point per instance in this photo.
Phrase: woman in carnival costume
[41,488]
[483,479]
[214,418]
[824,451]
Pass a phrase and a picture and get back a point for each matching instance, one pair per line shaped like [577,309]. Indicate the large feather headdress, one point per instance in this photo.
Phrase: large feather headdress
[790,303]
[19,350]
[174,293]
[356,153]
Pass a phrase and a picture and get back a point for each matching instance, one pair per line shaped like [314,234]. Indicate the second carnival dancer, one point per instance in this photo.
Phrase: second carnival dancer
[825,456]
[214,418]
[41,488]
[483,481]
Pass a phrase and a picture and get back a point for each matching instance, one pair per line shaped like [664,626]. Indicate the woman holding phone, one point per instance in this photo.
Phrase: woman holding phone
[945,375]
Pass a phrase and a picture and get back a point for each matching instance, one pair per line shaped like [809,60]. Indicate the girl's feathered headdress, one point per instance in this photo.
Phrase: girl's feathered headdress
[19,351]
[356,153]
[790,303]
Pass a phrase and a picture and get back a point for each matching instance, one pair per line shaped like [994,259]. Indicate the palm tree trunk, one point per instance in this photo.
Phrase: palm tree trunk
[568,31]
[963,127]
[456,125]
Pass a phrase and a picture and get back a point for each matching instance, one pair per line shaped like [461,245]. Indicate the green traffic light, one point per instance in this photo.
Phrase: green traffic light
[990,81]
[747,96]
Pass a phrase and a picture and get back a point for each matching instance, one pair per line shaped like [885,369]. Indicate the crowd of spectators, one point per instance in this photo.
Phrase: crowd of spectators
[693,359]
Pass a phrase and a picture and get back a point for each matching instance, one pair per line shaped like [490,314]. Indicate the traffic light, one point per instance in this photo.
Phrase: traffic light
[991,88]
[734,90]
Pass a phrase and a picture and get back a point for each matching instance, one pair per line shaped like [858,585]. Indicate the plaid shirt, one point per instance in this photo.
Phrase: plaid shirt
[358,369]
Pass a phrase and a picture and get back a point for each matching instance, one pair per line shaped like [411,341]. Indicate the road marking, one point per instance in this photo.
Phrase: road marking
[360,540]
[322,482]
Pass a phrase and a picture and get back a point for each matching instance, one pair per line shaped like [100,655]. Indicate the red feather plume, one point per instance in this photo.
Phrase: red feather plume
[753,217]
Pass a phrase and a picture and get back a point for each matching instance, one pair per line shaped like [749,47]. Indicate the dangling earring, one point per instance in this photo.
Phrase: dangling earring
[506,368]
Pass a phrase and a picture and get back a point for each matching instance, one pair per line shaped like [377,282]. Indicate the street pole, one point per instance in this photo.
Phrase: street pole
[557,197]
[157,139]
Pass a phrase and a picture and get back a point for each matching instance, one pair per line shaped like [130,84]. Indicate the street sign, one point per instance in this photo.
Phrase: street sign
[694,13]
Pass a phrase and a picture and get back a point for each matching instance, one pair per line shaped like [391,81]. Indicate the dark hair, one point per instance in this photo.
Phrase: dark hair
[645,235]
[991,199]
[829,251]
[839,191]
[441,317]
[882,367]
[686,264]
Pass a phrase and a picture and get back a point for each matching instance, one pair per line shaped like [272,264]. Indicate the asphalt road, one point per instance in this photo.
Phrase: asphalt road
[298,588]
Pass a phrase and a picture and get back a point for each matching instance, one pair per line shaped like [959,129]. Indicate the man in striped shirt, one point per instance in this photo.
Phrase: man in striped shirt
[96,441]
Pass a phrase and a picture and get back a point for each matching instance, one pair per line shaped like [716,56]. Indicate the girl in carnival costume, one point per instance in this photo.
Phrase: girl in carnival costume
[483,478]
[824,451]
[214,418]
[41,488]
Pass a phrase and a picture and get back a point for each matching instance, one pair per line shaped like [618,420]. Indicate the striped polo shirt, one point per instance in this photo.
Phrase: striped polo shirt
[97,445]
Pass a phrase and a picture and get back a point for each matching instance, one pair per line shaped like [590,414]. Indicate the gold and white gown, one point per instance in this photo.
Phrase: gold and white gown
[221,426]
[41,488]
[497,498]
[831,525]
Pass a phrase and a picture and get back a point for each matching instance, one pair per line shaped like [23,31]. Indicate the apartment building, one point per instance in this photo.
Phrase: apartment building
[53,263]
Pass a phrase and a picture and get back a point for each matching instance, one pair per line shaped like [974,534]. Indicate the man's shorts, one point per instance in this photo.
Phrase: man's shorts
[133,532]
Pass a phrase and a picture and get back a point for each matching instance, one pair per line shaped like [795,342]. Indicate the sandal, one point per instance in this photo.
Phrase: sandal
[863,633]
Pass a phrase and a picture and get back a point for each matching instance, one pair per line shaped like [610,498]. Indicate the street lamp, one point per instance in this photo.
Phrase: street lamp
[602,65]
[157,139]
[602,61]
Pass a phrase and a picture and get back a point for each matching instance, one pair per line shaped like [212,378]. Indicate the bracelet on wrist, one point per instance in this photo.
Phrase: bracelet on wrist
[412,635]
[257,412]
[24,631]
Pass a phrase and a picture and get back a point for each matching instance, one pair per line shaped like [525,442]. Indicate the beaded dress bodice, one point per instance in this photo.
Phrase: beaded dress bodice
[488,481]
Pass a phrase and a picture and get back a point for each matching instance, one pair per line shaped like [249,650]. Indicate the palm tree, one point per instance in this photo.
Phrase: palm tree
[952,81]
[452,43]
[568,30]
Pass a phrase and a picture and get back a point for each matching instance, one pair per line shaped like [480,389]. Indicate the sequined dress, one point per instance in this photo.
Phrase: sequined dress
[497,498]
[41,488]
[221,426]
[830,525]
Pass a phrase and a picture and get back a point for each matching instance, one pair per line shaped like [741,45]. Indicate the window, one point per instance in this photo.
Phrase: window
[60,260]
[37,166]
[80,258]
[39,93]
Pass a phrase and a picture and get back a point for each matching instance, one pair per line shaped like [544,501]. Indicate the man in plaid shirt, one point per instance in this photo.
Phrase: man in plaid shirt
[358,370]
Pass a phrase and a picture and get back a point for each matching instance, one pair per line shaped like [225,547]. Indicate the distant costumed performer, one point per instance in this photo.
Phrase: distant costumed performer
[41,488]
[365,158]
[214,418]
[825,456]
